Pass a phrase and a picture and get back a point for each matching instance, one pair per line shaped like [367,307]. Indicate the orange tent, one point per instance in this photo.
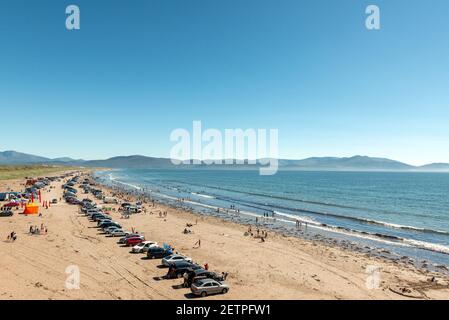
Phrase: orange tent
[31,208]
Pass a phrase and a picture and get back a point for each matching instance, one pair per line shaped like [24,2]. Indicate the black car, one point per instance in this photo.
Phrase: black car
[177,269]
[95,215]
[6,213]
[106,224]
[72,200]
[191,275]
[158,252]
[101,217]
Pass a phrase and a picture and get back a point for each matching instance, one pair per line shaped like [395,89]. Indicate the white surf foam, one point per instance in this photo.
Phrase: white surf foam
[203,195]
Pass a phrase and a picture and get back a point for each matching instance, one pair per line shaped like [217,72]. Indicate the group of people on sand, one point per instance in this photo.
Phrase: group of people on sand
[163,214]
[35,230]
[261,234]
[12,236]
[189,225]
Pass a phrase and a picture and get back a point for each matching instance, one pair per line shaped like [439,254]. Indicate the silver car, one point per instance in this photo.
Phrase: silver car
[118,233]
[206,287]
[108,230]
[173,258]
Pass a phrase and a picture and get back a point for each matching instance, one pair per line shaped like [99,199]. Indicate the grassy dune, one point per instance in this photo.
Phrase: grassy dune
[18,172]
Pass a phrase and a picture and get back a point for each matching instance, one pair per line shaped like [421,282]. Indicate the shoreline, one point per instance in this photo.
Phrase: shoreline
[336,236]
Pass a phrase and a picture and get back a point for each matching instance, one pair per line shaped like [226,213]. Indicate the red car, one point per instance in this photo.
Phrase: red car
[133,241]
[11,205]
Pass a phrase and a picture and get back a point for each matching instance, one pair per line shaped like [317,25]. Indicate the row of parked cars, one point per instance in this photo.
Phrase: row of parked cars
[202,282]
[70,192]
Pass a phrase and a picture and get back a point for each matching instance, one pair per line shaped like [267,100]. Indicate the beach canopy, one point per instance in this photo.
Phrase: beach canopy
[31,208]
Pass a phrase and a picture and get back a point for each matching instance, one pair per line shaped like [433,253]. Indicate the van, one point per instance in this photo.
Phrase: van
[110,200]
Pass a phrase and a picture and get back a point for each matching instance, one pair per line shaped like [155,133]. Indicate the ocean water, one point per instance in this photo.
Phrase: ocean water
[402,214]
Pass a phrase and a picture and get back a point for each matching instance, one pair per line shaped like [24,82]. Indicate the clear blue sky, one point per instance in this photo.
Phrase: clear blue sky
[139,69]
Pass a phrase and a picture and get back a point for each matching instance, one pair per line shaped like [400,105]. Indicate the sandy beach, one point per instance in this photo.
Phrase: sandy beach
[34,266]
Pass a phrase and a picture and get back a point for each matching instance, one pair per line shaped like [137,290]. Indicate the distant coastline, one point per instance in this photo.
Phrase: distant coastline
[355,163]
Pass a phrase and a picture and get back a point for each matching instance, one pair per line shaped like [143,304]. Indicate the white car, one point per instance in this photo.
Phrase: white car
[143,246]
[173,258]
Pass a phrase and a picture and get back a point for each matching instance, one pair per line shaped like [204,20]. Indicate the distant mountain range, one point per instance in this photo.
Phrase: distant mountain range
[355,163]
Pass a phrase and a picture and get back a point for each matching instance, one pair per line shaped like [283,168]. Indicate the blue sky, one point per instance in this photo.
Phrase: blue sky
[139,69]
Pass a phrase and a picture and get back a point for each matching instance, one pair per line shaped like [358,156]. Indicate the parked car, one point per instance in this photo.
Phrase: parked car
[11,205]
[86,207]
[132,209]
[206,287]
[94,212]
[143,246]
[118,233]
[158,252]
[173,258]
[133,241]
[6,213]
[130,235]
[110,200]
[96,216]
[107,223]
[190,276]
[111,228]
[178,268]
[73,201]
[113,225]
[101,218]
[90,212]
[72,190]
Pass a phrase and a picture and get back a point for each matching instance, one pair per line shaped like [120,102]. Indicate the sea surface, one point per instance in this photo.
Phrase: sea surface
[400,215]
